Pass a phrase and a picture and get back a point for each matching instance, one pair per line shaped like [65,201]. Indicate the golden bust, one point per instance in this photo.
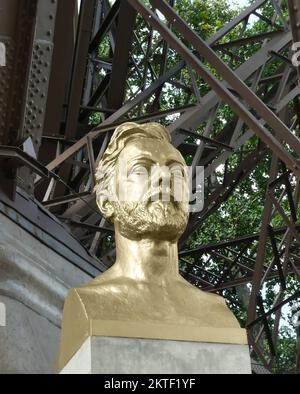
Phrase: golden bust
[142,294]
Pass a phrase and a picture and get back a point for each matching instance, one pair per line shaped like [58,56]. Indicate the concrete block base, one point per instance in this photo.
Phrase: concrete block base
[115,355]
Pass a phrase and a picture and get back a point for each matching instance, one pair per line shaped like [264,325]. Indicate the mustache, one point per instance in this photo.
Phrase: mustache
[159,195]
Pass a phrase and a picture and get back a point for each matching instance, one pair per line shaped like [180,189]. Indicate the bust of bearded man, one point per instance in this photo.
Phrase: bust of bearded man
[143,294]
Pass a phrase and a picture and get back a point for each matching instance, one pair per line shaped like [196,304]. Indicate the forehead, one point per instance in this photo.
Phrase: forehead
[159,151]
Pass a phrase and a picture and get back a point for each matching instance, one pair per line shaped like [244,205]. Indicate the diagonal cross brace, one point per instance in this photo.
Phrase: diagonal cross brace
[238,85]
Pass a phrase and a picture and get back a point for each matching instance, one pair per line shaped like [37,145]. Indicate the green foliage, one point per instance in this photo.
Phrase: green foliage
[206,17]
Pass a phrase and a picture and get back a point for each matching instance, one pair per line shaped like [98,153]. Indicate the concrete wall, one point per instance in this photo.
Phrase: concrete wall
[33,283]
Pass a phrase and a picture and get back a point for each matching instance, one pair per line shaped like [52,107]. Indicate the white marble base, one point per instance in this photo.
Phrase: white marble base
[115,355]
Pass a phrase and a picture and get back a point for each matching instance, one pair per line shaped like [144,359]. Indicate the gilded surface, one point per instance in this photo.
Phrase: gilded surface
[143,294]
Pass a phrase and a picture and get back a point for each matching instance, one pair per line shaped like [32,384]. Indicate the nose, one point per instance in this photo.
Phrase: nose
[164,174]
[160,173]
[161,180]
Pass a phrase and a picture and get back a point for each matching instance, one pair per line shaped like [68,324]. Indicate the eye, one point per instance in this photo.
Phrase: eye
[139,170]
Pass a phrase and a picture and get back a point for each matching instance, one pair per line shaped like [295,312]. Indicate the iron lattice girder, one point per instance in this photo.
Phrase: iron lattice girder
[280,129]
[30,42]
[17,38]
[294,11]
[132,103]
[195,110]
[259,275]
[225,244]
[211,99]
[116,90]
[193,116]
[79,66]
[112,125]
[105,26]
[215,199]
[194,221]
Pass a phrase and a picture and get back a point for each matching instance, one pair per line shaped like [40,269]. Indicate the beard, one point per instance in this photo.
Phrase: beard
[151,219]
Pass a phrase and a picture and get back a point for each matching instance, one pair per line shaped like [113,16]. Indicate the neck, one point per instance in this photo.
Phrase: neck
[146,260]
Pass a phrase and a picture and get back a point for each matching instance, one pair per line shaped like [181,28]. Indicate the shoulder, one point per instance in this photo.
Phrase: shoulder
[105,298]
[199,294]
[74,306]
[208,309]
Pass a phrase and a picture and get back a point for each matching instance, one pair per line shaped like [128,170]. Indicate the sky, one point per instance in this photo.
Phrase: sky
[240,3]
[243,2]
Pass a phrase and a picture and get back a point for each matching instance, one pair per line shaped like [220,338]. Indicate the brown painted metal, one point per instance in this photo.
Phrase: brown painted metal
[79,66]
[256,281]
[229,76]
[63,49]
[126,23]
[18,31]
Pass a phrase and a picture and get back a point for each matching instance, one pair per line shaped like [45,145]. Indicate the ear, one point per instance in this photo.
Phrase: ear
[105,207]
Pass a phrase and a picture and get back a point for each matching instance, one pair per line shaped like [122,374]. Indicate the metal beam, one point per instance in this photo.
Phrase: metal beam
[239,86]
[125,27]
[79,66]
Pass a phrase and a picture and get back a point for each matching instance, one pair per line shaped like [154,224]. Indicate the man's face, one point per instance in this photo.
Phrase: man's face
[152,191]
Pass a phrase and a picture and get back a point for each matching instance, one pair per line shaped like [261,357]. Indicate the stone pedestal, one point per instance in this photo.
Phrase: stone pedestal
[116,355]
